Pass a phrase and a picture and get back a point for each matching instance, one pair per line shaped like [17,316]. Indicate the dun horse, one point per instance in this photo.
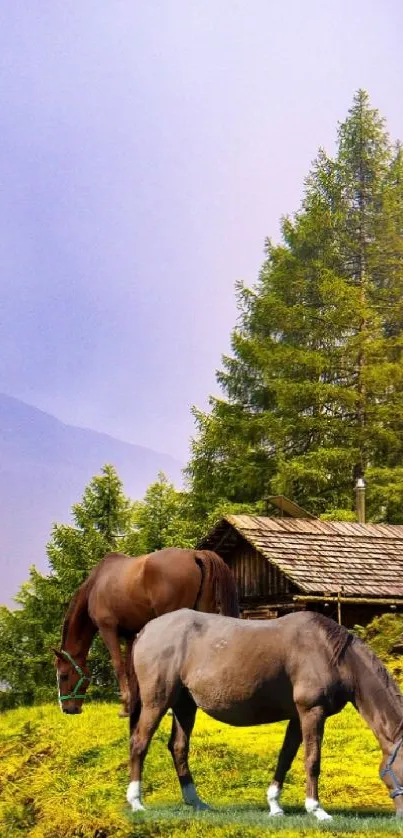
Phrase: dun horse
[302,667]
[121,595]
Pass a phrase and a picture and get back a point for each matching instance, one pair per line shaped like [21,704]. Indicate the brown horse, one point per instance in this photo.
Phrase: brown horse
[121,595]
[303,667]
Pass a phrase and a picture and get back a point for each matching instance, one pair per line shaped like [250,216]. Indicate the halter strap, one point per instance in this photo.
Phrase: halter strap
[83,677]
[398,788]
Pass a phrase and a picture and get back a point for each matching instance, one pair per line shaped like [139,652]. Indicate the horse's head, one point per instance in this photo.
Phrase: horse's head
[392,775]
[72,681]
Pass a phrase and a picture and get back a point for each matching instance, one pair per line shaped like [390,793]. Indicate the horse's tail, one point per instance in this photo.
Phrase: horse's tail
[218,579]
[134,690]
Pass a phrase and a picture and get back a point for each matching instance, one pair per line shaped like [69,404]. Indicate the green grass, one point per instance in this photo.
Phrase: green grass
[66,777]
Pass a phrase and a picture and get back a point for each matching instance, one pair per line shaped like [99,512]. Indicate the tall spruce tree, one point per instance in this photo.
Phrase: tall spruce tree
[314,387]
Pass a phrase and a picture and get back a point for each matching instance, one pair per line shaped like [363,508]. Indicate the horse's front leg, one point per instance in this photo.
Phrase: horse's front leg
[110,637]
[312,726]
[292,741]
[141,733]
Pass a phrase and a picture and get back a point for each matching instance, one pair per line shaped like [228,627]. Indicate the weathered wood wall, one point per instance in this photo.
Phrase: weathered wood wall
[255,577]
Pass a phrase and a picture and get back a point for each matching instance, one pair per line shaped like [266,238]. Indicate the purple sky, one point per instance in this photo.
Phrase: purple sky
[147,149]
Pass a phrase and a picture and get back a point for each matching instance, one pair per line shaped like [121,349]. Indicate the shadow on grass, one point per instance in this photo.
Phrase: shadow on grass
[88,757]
[248,815]
[92,756]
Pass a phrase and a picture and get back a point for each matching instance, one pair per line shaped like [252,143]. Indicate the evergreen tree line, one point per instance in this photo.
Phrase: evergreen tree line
[105,520]
[312,397]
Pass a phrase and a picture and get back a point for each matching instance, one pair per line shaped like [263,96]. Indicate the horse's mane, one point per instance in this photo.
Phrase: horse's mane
[362,660]
[387,684]
[378,668]
[71,609]
[338,638]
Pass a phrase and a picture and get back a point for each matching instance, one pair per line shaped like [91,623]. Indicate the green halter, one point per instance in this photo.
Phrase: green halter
[83,677]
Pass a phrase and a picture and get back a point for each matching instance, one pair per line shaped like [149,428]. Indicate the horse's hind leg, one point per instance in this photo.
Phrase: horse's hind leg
[312,726]
[292,741]
[141,734]
[125,711]
[183,720]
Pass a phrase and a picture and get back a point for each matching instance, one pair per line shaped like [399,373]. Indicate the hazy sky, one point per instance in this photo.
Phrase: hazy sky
[147,149]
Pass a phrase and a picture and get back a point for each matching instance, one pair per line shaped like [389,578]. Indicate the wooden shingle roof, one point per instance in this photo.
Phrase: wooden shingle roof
[323,557]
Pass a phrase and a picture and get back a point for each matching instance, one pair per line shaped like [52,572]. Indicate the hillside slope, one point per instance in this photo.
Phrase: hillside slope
[66,777]
[44,468]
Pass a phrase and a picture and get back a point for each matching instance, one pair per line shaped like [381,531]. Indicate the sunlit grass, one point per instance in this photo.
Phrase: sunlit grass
[67,776]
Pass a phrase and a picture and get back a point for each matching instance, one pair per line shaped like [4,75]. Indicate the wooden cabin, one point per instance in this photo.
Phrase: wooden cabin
[351,572]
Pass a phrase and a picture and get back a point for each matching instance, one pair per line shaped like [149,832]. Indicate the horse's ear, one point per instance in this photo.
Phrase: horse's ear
[57,653]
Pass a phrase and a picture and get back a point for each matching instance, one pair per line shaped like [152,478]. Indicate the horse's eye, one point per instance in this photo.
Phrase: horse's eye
[63,677]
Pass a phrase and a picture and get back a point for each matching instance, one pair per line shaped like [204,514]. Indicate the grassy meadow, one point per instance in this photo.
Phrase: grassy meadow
[66,777]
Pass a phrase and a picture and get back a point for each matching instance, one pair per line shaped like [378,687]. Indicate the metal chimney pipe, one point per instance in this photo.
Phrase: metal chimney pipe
[360,500]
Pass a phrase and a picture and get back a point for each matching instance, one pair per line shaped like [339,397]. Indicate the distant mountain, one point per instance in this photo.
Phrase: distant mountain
[44,468]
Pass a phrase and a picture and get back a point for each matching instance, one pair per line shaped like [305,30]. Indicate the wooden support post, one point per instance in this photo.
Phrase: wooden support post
[338,608]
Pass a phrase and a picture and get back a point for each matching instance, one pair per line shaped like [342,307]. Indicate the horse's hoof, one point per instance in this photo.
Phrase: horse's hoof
[137,806]
[321,815]
[278,814]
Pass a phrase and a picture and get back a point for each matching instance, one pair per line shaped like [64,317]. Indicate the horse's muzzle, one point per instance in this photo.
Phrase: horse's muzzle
[72,711]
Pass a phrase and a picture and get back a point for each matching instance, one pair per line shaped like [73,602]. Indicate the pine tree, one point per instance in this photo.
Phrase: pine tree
[161,519]
[101,522]
[314,387]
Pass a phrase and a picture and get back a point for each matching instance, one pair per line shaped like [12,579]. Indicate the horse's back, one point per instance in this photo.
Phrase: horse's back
[127,591]
[173,579]
[305,626]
